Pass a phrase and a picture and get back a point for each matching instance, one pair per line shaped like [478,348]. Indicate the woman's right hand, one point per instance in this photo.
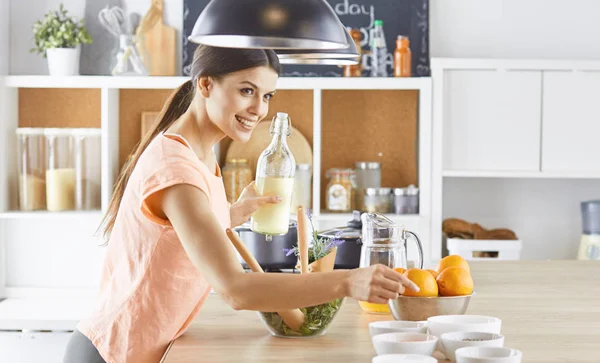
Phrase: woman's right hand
[377,284]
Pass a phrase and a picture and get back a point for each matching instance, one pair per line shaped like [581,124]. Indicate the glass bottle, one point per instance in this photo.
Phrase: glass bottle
[378,50]
[355,70]
[275,176]
[402,57]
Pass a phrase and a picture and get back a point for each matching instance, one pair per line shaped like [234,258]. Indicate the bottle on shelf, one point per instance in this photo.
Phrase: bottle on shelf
[275,171]
[402,57]
[355,70]
[378,50]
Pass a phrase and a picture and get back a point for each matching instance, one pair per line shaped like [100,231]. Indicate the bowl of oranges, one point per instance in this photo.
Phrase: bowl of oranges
[447,290]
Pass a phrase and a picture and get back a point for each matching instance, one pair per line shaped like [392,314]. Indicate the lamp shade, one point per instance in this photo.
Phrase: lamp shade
[287,56]
[275,24]
[322,61]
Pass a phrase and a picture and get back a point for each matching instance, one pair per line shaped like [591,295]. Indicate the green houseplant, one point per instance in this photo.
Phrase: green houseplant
[58,37]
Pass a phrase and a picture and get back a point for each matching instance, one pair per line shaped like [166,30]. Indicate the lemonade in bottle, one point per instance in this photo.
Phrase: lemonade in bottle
[275,176]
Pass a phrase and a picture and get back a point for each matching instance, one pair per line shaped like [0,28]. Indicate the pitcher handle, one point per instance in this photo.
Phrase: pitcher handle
[419,247]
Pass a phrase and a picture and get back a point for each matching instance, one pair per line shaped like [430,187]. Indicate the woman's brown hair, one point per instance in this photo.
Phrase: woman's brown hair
[208,61]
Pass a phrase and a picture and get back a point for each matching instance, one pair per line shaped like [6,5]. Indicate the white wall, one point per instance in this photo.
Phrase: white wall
[515,28]
[4,36]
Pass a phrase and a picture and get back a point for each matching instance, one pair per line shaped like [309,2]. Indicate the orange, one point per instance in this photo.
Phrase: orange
[455,281]
[423,279]
[400,270]
[433,273]
[452,260]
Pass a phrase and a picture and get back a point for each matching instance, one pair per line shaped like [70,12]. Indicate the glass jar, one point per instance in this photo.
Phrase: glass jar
[302,187]
[406,200]
[87,168]
[378,200]
[31,151]
[339,196]
[368,175]
[60,170]
[236,176]
[275,171]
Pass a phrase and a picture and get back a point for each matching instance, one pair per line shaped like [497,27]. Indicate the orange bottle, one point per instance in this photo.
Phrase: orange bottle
[402,57]
[355,70]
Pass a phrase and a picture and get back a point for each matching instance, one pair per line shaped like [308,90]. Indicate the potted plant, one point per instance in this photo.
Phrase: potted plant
[58,38]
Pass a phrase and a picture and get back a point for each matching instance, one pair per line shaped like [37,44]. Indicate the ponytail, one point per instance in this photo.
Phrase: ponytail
[175,106]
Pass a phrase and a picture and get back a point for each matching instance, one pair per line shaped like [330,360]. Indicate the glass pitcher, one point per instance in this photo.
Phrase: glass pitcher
[384,242]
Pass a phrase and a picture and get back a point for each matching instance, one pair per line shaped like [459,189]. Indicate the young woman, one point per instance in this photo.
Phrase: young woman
[167,220]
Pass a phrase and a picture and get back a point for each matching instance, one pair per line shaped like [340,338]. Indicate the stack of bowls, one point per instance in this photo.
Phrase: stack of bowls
[461,338]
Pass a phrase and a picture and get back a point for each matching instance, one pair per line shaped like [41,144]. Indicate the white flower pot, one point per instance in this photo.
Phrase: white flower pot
[63,61]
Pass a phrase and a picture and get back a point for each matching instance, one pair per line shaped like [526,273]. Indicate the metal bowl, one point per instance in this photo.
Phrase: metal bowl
[422,308]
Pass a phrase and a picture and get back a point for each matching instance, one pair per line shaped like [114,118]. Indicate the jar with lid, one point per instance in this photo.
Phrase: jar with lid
[340,190]
[275,171]
[87,168]
[406,200]
[60,170]
[378,200]
[31,151]
[236,176]
[368,175]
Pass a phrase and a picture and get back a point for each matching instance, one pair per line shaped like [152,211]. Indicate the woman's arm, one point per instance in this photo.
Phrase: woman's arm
[210,250]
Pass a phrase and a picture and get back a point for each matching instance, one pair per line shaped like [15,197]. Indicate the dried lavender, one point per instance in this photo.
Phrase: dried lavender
[320,246]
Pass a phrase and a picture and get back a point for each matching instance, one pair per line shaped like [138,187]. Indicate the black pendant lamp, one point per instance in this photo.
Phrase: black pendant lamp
[347,56]
[275,24]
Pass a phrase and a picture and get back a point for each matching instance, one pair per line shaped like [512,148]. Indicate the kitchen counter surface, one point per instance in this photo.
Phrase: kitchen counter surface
[549,310]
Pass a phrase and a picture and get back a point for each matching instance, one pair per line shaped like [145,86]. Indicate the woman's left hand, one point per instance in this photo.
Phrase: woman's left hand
[248,203]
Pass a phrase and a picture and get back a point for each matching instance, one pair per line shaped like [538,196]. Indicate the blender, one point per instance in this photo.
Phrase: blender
[589,246]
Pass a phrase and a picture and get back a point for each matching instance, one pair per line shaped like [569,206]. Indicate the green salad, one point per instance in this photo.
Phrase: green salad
[316,319]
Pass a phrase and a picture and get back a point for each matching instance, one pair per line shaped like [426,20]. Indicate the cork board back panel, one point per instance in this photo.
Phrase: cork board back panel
[296,103]
[59,107]
[132,103]
[377,125]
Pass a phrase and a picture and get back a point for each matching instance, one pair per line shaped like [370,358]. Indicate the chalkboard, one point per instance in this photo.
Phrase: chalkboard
[400,17]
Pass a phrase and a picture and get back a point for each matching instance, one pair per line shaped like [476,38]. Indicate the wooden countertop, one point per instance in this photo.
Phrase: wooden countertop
[549,310]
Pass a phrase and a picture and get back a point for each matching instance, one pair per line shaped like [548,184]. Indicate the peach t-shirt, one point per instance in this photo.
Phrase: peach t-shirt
[150,291]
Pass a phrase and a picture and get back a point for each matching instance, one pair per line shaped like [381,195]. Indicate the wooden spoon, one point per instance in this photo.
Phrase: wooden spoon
[292,318]
[302,242]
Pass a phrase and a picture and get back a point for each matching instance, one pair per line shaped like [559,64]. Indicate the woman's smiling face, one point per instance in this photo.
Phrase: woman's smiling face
[237,102]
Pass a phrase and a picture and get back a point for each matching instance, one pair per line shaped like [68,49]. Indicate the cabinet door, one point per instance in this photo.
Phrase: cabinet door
[571,122]
[492,120]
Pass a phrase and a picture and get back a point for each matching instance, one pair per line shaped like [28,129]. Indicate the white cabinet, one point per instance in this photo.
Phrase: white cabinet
[492,120]
[571,122]
[33,347]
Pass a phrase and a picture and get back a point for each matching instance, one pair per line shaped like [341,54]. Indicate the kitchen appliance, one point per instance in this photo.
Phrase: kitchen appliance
[589,246]
[269,251]
[384,242]
[348,253]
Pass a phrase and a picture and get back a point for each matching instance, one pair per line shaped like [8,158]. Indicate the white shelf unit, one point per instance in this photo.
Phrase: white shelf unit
[10,237]
[559,120]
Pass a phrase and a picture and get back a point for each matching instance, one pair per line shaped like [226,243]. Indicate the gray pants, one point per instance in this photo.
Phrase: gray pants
[81,350]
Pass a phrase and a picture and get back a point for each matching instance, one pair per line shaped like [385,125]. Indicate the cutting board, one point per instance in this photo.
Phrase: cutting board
[261,138]
[161,45]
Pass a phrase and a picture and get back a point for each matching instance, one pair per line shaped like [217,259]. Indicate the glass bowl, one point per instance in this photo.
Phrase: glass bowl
[318,318]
